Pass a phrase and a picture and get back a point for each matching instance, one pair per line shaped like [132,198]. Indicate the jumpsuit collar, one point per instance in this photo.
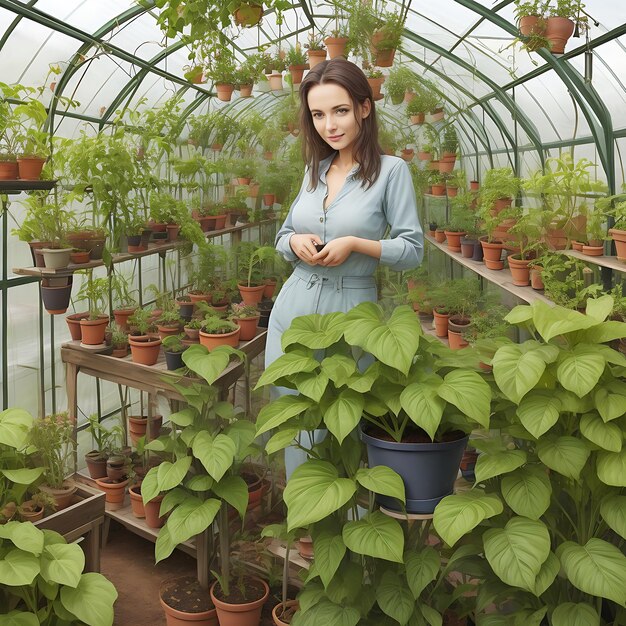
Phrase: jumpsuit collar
[325,166]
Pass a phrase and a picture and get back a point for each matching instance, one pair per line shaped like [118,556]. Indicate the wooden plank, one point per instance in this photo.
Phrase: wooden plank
[611,262]
[279,549]
[501,278]
[87,507]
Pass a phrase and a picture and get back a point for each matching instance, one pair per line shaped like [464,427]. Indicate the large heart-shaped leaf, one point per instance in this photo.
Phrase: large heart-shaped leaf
[234,490]
[611,468]
[329,551]
[363,382]
[20,618]
[606,435]
[394,598]
[456,515]
[423,405]
[613,511]
[607,331]
[150,485]
[565,455]
[469,393]
[91,601]
[610,400]
[553,321]
[208,365]
[314,492]
[171,475]
[421,568]
[547,574]
[382,480]
[599,308]
[191,518]
[575,614]
[280,411]
[281,440]
[18,567]
[344,413]
[394,342]
[15,425]
[580,370]
[518,368]
[375,535]
[216,455]
[491,465]
[527,491]
[517,551]
[539,411]
[597,568]
[329,614]
[24,536]
[339,368]
[286,365]
[63,564]
[314,331]
[312,384]
[23,476]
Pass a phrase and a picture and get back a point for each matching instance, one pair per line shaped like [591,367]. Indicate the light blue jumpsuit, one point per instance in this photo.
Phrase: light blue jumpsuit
[358,211]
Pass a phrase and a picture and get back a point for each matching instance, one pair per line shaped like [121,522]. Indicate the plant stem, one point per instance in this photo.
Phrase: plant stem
[222,525]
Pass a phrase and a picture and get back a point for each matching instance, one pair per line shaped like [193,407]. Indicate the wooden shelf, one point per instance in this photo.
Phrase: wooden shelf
[17,186]
[432,195]
[611,262]
[501,278]
[429,329]
[279,549]
[119,257]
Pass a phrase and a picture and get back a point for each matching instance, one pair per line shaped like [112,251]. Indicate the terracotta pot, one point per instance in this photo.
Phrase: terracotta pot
[454,240]
[121,317]
[245,91]
[200,297]
[446,167]
[277,612]
[438,190]
[440,235]
[63,497]
[556,238]
[619,237]
[211,342]
[114,492]
[316,57]
[29,168]
[467,247]
[151,510]
[220,221]
[269,199]
[172,232]
[474,185]
[297,72]
[593,250]
[248,614]
[456,340]
[92,331]
[168,331]
[452,192]
[441,323]
[305,548]
[408,154]
[529,25]
[492,252]
[117,468]
[558,31]
[248,327]
[192,333]
[577,245]
[270,288]
[30,512]
[501,204]
[375,85]
[276,81]
[136,501]
[448,156]
[520,272]
[8,170]
[419,119]
[224,91]
[144,350]
[120,352]
[336,46]
[535,278]
[424,156]
[251,295]
[433,165]
[138,427]
[175,617]
[96,464]
[79,258]
[73,323]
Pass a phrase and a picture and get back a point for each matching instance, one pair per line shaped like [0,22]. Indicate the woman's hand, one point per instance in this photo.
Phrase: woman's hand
[304,248]
[335,252]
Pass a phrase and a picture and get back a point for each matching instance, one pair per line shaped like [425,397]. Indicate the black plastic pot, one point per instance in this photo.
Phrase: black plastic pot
[185,310]
[134,240]
[427,469]
[57,299]
[145,237]
[174,360]
[265,309]
[478,252]
[161,237]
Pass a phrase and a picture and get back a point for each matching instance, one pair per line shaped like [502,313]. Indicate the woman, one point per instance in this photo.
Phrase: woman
[350,195]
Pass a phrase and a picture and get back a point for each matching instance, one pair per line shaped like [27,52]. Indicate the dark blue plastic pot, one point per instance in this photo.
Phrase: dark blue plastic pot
[174,360]
[427,469]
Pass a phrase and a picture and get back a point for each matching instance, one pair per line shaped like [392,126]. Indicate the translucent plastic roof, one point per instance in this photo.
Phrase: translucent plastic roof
[502,95]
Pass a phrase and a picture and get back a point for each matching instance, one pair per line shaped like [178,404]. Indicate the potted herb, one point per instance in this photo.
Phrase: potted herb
[296,62]
[218,332]
[562,20]
[375,79]
[400,80]
[316,51]
[386,38]
[192,329]
[169,323]
[615,207]
[221,70]
[106,440]
[96,292]
[124,298]
[249,259]
[173,349]
[246,316]
[119,341]
[52,436]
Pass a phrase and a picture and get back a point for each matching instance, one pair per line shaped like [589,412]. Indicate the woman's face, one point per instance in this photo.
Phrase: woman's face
[334,116]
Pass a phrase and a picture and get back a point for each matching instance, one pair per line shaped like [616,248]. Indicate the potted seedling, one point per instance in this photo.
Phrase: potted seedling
[316,51]
[169,323]
[296,62]
[173,349]
[119,341]
[218,332]
[250,257]
[192,329]
[105,441]
[246,316]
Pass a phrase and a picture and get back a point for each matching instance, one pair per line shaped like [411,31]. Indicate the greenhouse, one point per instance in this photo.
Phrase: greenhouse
[313,312]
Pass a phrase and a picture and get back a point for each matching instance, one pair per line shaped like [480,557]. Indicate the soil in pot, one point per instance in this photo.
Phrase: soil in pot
[246,608]
[283,615]
[184,600]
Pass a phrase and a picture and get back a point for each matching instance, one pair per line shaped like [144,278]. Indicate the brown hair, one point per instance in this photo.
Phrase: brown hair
[367,150]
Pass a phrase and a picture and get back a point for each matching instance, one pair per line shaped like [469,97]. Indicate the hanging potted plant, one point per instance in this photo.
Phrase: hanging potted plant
[194,74]
[247,14]
[375,78]
[221,70]
[386,39]
[316,51]
[400,80]
[561,22]
[530,18]
[296,62]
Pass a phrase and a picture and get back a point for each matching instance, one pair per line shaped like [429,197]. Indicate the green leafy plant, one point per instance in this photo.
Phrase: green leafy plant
[400,80]
[52,436]
[295,56]
[249,257]
[241,311]
[567,280]
[214,325]
[106,440]
[173,343]
[44,584]
[140,322]
[94,291]
[546,518]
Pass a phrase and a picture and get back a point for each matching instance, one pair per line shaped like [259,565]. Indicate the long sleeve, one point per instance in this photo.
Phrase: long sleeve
[286,230]
[404,249]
